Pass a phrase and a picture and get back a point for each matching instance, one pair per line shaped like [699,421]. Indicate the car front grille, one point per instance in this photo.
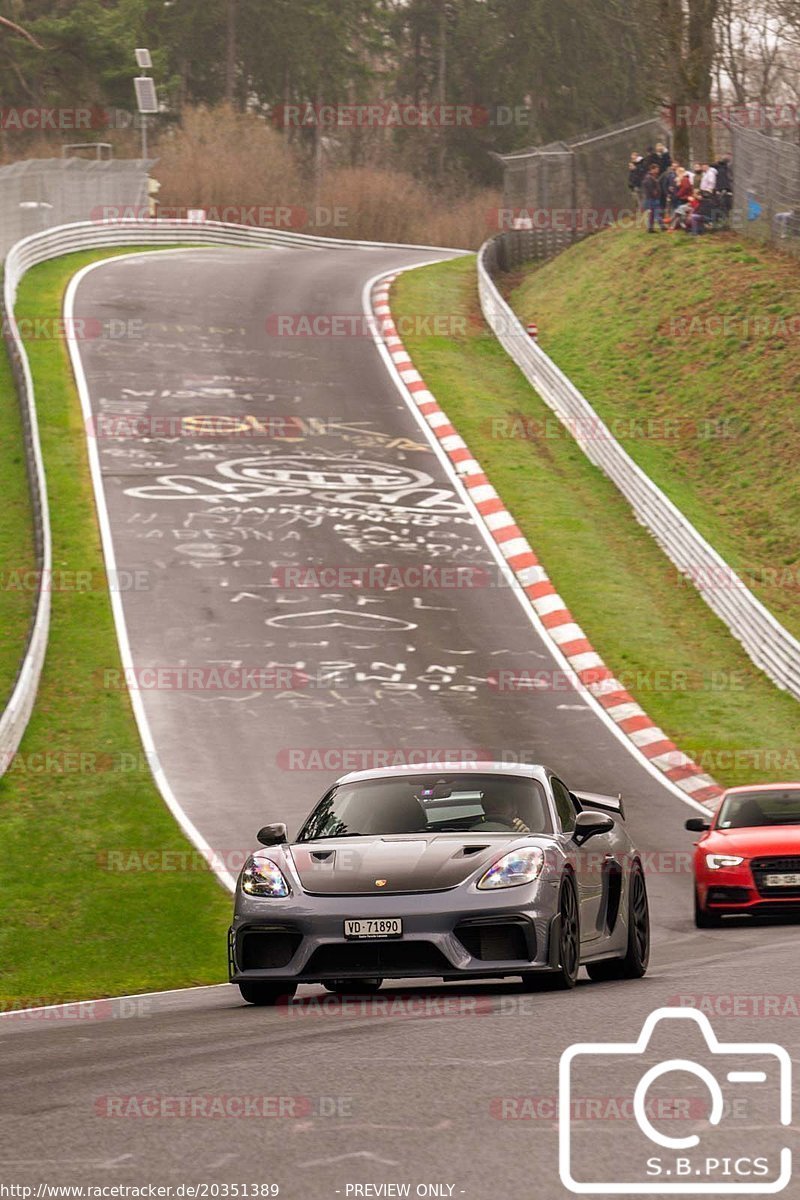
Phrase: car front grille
[776,865]
[266,947]
[377,958]
[498,941]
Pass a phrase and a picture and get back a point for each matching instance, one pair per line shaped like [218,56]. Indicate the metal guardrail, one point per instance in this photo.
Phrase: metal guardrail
[518,247]
[15,716]
[770,646]
[53,243]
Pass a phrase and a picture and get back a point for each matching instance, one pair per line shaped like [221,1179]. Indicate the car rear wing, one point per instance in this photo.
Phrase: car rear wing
[612,804]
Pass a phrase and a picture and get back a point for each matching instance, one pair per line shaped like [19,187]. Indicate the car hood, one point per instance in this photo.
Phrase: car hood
[773,839]
[350,866]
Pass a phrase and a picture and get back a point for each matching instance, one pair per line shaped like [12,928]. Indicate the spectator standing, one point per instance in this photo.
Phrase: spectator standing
[708,180]
[651,194]
[636,169]
[668,182]
[663,157]
[724,169]
[650,157]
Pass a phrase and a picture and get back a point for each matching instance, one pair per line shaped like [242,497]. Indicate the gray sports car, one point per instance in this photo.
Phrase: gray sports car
[453,871]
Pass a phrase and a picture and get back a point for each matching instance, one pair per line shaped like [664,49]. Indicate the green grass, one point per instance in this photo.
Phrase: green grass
[654,632]
[708,410]
[73,928]
[17,556]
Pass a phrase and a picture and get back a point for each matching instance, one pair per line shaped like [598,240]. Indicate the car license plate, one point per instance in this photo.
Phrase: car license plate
[385,927]
[782,880]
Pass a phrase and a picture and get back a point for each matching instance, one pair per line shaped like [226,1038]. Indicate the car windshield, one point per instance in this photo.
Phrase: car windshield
[406,804]
[744,810]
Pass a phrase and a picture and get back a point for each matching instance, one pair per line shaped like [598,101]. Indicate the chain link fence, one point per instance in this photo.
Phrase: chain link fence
[40,193]
[580,184]
[766,186]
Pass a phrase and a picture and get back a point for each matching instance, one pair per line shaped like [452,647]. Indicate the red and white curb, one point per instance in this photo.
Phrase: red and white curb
[551,610]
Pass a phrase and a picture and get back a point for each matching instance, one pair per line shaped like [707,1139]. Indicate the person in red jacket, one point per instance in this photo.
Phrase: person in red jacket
[683,204]
[683,186]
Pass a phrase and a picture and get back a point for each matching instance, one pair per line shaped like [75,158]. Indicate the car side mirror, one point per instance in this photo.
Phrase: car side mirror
[273,835]
[697,825]
[588,823]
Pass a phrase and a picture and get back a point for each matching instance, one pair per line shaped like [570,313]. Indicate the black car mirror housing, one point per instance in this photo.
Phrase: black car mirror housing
[589,823]
[273,835]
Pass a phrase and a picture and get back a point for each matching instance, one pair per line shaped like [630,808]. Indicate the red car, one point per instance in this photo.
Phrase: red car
[748,859]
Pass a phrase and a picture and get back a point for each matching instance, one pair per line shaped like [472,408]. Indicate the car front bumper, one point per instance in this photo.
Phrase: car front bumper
[735,890]
[457,933]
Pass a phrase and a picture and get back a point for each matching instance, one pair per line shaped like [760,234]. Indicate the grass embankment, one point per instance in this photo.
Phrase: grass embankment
[689,348]
[80,789]
[655,632]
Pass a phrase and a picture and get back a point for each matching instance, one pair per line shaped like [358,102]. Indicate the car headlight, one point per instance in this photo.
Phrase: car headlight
[715,861]
[519,866]
[262,877]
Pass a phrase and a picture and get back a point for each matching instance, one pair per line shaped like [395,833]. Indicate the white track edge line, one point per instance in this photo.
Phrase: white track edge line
[9,1013]
[145,732]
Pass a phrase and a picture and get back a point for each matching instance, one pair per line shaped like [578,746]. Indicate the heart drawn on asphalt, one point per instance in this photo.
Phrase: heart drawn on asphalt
[335,618]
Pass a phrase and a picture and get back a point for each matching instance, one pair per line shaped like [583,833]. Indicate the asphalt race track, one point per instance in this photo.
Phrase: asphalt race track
[330,468]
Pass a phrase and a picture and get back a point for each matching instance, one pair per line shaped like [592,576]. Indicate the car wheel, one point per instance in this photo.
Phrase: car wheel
[569,939]
[353,987]
[637,952]
[704,919]
[267,994]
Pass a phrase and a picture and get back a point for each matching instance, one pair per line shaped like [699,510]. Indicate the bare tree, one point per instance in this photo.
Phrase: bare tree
[758,49]
[687,48]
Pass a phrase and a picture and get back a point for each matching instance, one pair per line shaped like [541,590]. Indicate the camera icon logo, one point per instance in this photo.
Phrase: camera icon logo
[675,1123]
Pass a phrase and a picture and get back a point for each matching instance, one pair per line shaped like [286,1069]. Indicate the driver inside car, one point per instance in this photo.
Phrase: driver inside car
[502,813]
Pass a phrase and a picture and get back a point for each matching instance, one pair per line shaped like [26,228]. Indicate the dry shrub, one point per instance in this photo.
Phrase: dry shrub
[465,223]
[376,204]
[219,157]
[386,205]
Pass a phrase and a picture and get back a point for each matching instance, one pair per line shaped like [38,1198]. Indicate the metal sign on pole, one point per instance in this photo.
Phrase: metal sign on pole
[146,99]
